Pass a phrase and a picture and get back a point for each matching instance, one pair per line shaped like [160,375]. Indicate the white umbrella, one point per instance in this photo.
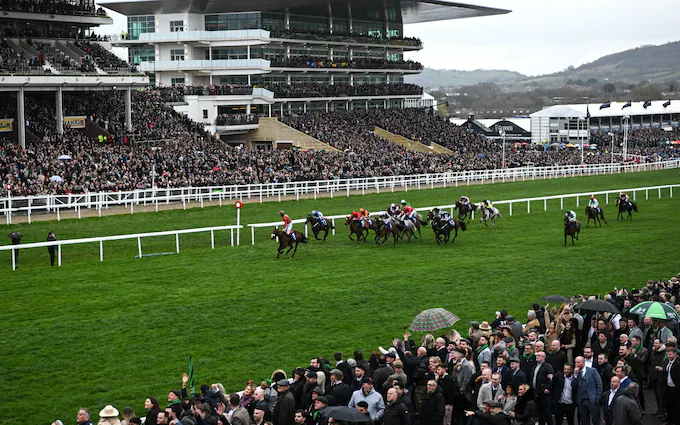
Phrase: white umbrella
[63,157]
[56,179]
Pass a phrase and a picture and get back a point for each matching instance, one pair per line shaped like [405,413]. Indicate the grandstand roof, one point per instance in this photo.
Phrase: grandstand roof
[413,11]
[615,110]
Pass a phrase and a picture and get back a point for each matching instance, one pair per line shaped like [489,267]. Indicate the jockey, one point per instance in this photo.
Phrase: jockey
[571,216]
[624,198]
[319,216]
[365,217]
[388,222]
[465,200]
[404,204]
[593,203]
[487,204]
[444,216]
[287,224]
[393,209]
[409,212]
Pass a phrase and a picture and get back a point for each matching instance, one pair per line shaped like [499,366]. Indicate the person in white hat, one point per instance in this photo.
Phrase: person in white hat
[109,416]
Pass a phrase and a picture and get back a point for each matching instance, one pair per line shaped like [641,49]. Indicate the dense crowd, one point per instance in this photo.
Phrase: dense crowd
[566,361]
[643,137]
[356,63]
[237,119]
[184,154]
[350,38]
[95,53]
[52,7]
[12,61]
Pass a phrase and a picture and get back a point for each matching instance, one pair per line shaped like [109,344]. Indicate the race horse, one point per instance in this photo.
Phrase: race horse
[488,214]
[571,229]
[319,226]
[356,229]
[285,241]
[626,207]
[382,230]
[443,228]
[592,214]
[465,210]
[407,227]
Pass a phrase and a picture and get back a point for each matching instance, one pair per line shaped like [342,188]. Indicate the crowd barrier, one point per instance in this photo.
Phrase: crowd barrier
[55,204]
[138,236]
[545,199]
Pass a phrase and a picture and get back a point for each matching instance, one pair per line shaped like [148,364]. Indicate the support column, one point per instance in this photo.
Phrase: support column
[287,52]
[60,111]
[249,80]
[351,79]
[332,78]
[21,119]
[288,79]
[248,108]
[286,18]
[128,108]
[270,110]
[349,17]
[248,50]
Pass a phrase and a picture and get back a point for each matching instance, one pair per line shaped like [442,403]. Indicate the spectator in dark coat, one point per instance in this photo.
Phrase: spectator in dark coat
[152,410]
[344,367]
[381,374]
[625,410]
[518,377]
[339,393]
[433,409]
[525,412]
[284,412]
[396,412]
[359,358]
[51,237]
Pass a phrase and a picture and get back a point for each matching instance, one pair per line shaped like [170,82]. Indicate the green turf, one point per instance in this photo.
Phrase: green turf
[89,333]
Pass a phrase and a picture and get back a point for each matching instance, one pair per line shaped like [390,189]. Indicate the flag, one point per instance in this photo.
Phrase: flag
[192,388]
[606,104]
[628,104]
[667,104]
[647,104]
[587,111]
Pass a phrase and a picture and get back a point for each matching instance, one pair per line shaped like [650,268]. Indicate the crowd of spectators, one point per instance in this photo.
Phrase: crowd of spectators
[643,137]
[95,53]
[12,61]
[350,38]
[565,361]
[184,154]
[54,7]
[356,63]
[237,119]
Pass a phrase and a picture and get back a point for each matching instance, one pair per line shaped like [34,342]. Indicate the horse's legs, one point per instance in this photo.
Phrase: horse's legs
[289,248]
[326,235]
[295,250]
[455,235]
[280,250]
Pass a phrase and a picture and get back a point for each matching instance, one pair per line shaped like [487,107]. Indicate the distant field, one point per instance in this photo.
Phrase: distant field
[90,334]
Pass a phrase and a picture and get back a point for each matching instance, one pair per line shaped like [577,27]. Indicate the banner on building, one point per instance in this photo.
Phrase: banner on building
[6,125]
[74,122]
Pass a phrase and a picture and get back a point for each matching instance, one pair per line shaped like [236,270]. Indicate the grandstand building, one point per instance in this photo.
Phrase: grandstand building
[283,57]
[52,46]
[580,122]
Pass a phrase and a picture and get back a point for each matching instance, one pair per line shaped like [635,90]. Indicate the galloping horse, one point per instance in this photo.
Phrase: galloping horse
[408,228]
[444,228]
[626,208]
[592,214]
[319,226]
[287,241]
[382,231]
[571,229]
[356,229]
[465,210]
[488,214]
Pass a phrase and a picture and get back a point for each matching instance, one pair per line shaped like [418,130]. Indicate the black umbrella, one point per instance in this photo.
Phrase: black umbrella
[555,299]
[599,305]
[344,413]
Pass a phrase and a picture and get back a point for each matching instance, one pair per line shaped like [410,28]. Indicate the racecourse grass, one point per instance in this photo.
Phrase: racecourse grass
[89,334]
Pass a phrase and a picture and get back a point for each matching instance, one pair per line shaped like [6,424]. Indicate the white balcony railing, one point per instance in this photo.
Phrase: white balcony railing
[190,65]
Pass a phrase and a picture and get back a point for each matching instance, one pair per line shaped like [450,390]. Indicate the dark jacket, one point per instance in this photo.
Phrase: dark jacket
[626,411]
[396,414]
[525,409]
[380,376]
[296,389]
[606,372]
[367,366]
[518,379]
[346,370]
[339,394]
[306,400]
[558,387]
[558,360]
[433,408]
[284,412]
[188,418]
[411,363]
[450,388]
[527,364]
[488,418]
[152,416]
[543,379]
[506,375]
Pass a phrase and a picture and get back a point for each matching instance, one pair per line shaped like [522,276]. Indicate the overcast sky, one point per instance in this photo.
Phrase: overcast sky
[538,36]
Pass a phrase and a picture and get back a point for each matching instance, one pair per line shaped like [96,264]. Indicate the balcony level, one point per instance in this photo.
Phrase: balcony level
[85,19]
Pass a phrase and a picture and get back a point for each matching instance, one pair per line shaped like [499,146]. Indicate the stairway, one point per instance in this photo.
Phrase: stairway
[271,129]
[409,144]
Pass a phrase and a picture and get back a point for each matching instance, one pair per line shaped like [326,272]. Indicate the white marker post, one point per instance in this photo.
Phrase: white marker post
[238,205]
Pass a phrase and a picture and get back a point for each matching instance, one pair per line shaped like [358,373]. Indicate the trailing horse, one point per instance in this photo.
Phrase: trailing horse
[383,230]
[356,229]
[443,228]
[488,214]
[626,207]
[571,229]
[465,210]
[285,241]
[592,214]
[319,226]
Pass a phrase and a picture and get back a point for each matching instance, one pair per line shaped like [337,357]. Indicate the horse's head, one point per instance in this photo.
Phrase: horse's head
[348,220]
[310,219]
[275,233]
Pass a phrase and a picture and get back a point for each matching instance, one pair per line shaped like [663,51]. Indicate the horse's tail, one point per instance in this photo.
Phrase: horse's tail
[463,226]
[635,208]
[303,239]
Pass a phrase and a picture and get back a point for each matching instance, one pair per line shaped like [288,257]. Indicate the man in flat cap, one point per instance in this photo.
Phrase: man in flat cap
[284,412]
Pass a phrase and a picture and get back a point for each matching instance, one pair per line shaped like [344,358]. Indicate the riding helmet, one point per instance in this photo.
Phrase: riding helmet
[281,213]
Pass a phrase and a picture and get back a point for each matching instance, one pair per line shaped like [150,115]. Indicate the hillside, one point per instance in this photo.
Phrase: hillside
[454,78]
[646,63]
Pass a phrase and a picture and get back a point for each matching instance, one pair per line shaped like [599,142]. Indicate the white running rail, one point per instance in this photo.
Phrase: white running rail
[55,204]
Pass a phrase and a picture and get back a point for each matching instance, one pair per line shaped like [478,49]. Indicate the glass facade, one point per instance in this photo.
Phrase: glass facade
[138,54]
[176,26]
[140,25]
[233,21]
[230,53]
[273,22]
